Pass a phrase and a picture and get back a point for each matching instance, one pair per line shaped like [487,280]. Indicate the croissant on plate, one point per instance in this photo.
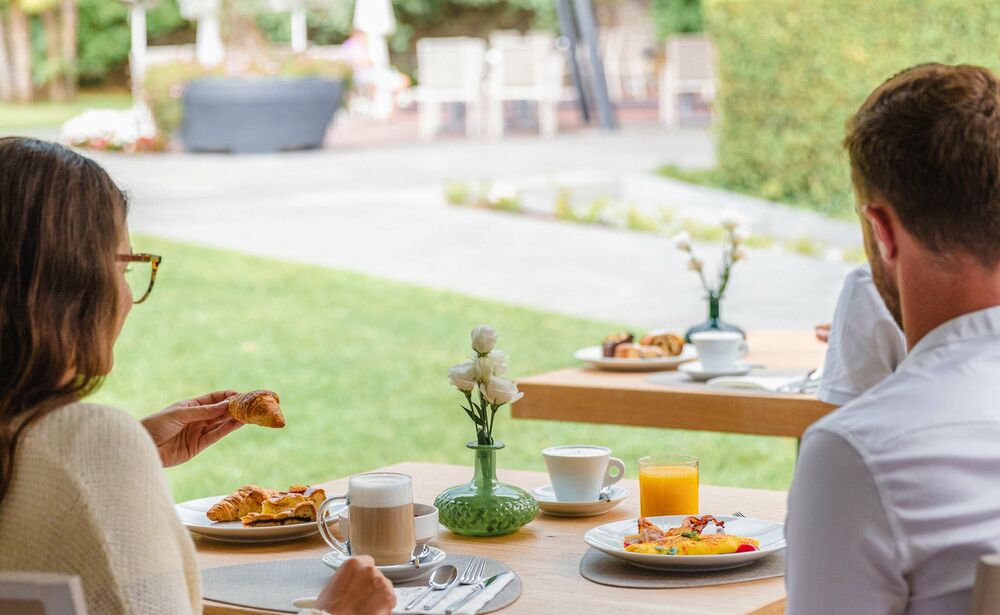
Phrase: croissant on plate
[243,501]
[258,407]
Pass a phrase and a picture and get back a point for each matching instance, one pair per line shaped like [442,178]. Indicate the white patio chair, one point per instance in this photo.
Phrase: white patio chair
[689,69]
[36,593]
[986,591]
[524,68]
[629,68]
[450,71]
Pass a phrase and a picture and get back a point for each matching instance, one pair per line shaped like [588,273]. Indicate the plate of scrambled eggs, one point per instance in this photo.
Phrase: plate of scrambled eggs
[680,542]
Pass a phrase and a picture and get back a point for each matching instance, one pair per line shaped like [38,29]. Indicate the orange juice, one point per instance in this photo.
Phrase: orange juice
[668,489]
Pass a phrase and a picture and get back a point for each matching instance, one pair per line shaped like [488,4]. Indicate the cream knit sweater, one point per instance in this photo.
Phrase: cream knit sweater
[89,498]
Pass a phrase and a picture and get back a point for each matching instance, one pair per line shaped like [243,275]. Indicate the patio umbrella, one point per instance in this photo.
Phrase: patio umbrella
[376,20]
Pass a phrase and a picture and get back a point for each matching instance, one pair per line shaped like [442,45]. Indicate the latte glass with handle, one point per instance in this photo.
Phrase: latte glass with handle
[380,505]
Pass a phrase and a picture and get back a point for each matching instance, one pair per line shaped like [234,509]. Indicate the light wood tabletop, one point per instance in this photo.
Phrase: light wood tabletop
[589,395]
[546,553]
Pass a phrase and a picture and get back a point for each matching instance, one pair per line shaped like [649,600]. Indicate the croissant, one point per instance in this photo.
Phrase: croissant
[243,501]
[257,408]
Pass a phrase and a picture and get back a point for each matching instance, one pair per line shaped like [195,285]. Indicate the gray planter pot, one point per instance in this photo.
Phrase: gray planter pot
[248,115]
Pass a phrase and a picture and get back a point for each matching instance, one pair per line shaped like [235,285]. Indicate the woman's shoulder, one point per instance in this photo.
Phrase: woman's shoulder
[85,429]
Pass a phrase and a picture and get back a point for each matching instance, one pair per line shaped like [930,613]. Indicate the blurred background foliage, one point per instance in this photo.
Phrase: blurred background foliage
[791,73]
[675,17]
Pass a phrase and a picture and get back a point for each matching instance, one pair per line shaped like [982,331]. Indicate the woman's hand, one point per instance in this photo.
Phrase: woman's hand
[358,588]
[182,430]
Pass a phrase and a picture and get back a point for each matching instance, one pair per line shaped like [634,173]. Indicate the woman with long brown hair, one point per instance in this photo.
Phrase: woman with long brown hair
[82,490]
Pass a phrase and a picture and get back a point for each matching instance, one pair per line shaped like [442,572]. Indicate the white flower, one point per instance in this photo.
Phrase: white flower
[683,241]
[694,263]
[501,192]
[499,362]
[484,338]
[485,367]
[463,376]
[499,391]
[730,219]
[740,235]
[739,255]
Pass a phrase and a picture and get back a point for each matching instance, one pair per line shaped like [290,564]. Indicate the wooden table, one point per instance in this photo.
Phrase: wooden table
[593,396]
[546,553]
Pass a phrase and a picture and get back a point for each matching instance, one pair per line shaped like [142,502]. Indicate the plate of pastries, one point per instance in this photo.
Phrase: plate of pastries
[655,351]
[255,514]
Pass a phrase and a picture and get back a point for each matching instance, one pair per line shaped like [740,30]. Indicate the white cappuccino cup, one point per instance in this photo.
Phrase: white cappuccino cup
[580,472]
[719,350]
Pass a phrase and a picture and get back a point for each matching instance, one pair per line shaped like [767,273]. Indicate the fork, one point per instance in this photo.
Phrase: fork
[472,574]
[739,514]
[800,386]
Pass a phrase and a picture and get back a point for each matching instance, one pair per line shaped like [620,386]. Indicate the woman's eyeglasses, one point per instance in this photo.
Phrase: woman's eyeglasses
[140,273]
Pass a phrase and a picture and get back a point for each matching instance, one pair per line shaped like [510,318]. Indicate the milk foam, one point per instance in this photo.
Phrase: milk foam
[575,451]
[380,490]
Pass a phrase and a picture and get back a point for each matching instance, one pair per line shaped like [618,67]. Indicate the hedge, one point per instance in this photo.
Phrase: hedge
[791,72]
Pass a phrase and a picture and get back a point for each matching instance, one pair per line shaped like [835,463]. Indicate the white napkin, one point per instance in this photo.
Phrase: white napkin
[760,383]
[404,595]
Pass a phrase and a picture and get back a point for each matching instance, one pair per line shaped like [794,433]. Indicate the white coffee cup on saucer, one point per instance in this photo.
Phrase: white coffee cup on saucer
[579,472]
[719,350]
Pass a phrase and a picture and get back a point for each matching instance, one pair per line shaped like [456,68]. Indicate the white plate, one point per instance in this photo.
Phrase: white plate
[399,573]
[595,357]
[546,498]
[696,371]
[193,517]
[609,539]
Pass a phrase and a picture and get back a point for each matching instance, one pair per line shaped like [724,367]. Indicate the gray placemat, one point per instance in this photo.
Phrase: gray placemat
[273,585]
[606,570]
[680,379]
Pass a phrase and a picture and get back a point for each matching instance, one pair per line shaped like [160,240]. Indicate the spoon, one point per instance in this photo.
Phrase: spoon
[420,552]
[440,579]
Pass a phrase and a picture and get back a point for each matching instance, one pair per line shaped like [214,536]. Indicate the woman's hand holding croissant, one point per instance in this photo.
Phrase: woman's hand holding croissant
[184,429]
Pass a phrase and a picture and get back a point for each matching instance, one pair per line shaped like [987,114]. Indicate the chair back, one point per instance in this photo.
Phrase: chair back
[451,68]
[523,65]
[986,591]
[690,59]
[37,593]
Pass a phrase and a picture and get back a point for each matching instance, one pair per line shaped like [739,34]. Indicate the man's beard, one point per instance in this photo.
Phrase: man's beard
[884,282]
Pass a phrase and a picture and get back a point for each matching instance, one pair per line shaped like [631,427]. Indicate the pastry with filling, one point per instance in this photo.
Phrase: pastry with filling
[672,345]
[258,407]
[612,342]
[637,351]
[304,512]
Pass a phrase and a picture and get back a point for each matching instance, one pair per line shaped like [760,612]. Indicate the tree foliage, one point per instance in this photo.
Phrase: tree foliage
[105,35]
[676,16]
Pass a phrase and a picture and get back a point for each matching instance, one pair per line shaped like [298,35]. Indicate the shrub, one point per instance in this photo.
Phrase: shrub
[791,73]
[675,16]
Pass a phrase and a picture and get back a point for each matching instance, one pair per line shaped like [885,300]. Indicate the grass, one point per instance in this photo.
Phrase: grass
[361,366]
[48,114]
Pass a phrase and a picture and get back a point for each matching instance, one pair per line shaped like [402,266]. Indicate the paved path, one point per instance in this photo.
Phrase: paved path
[380,211]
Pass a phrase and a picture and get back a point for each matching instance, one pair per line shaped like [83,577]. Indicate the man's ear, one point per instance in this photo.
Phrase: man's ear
[882,225]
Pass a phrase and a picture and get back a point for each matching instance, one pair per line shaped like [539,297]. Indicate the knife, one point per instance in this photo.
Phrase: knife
[478,588]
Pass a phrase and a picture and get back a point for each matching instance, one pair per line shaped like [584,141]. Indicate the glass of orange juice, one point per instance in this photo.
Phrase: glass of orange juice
[668,485]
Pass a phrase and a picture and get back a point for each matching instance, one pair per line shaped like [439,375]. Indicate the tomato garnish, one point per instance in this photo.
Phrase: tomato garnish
[745,548]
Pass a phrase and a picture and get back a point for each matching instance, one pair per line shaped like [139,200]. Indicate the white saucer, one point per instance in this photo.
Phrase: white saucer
[696,371]
[546,498]
[399,573]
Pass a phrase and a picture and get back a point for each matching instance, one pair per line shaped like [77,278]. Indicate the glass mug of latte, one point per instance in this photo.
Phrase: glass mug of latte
[380,506]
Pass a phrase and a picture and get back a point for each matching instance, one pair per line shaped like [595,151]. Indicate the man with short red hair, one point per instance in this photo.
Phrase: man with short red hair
[897,493]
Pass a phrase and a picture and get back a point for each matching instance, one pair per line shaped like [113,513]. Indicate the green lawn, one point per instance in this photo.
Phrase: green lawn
[47,114]
[361,365]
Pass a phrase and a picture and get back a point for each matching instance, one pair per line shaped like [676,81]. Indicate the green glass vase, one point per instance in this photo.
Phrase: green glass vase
[714,322]
[485,506]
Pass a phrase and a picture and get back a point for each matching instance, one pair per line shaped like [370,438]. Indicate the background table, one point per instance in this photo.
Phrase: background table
[588,395]
[546,553]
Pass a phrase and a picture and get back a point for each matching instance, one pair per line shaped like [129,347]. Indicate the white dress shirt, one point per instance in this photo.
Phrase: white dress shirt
[897,494]
[865,343]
